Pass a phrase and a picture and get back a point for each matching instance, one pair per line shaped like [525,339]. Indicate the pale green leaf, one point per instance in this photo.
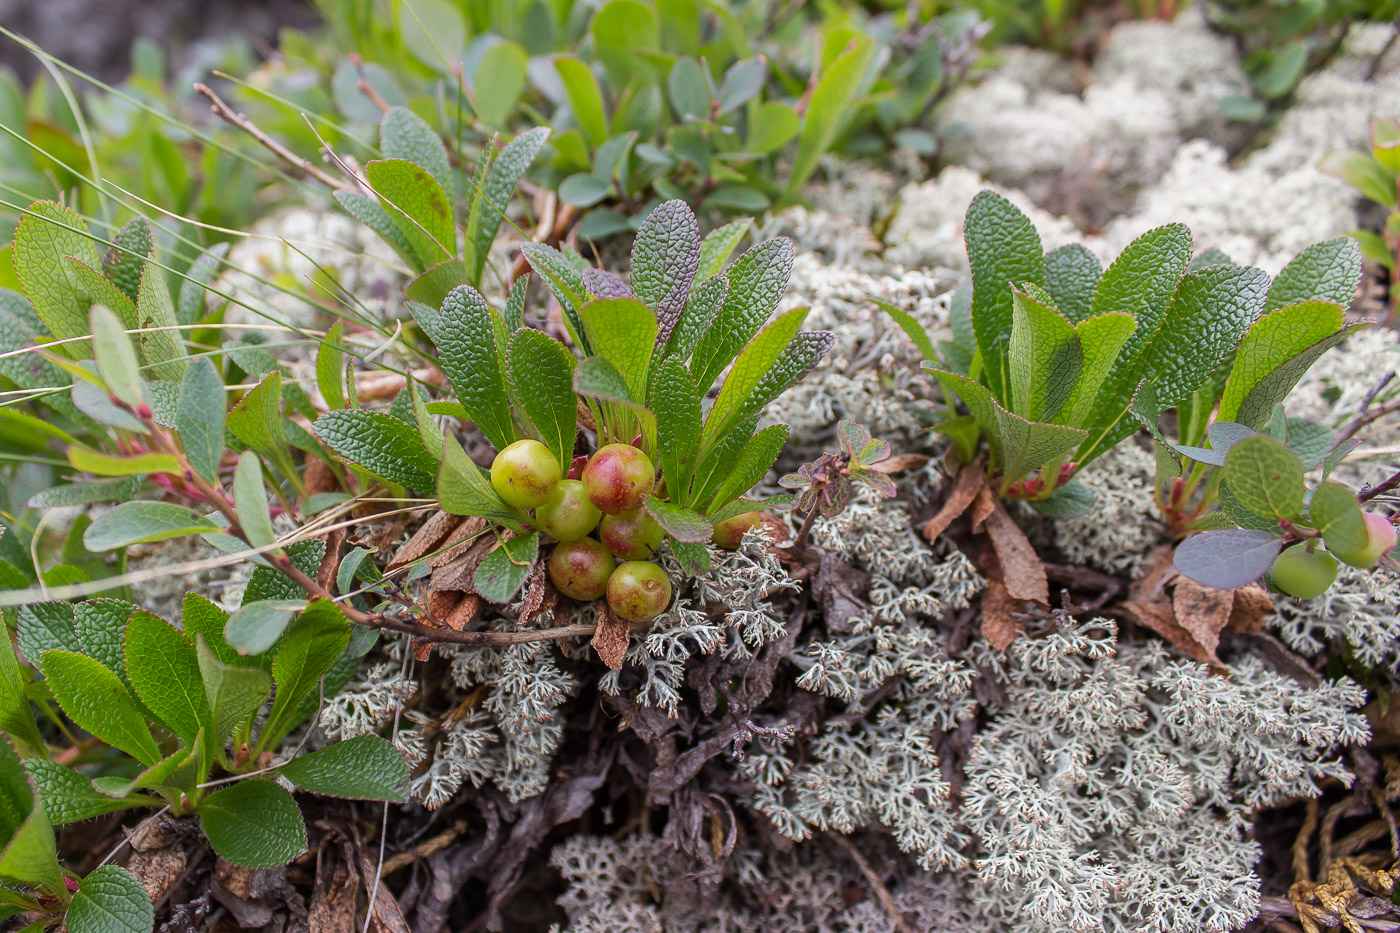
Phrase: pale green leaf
[199,417]
[143,521]
[253,823]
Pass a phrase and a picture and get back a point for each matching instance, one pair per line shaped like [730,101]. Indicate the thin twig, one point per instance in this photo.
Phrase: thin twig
[882,893]
[229,115]
[1364,415]
[1386,485]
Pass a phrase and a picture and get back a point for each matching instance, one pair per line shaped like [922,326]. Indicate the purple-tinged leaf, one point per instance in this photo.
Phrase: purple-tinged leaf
[1229,559]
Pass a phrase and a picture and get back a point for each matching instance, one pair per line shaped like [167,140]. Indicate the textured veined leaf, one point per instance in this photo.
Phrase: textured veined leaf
[69,797]
[596,378]
[564,282]
[110,900]
[1002,247]
[1027,446]
[161,664]
[143,521]
[312,643]
[253,823]
[675,400]
[1273,340]
[418,206]
[753,463]
[679,522]
[367,210]
[1101,338]
[155,317]
[665,259]
[405,135]
[490,201]
[1328,271]
[233,693]
[622,331]
[1072,274]
[97,700]
[382,444]
[757,280]
[703,306]
[541,372]
[199,417]
[717,246]
[366,767]
[190,307]
[47,232]
[738,393]
[1336,513]
[1045,356]
[504,571]
[125,259]
[1265,476]
[467,341]
[436,283]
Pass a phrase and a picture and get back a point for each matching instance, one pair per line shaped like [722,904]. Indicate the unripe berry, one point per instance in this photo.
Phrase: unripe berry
[1380,538]
[581,569]
[618,477]
[1303,573]
[525,474]
[632,535]
[730,532]
[639,591]
[568,515]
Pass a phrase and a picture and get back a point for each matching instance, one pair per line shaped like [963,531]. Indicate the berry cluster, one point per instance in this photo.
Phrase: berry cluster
[608,497]
[1306,571]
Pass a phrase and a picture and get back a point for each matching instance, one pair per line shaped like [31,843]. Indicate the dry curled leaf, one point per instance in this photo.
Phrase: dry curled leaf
[610,640]
[1021,568]
[999,626]
[899,463]
[971,481]
[1202,612]
[426,539]
[1252,607]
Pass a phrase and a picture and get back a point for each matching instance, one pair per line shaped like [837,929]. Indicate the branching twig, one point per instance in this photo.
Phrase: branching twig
[1364,415]
[1386,485]
[229,115]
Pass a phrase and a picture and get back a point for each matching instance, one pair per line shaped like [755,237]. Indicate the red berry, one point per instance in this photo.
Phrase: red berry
[632,535]
[639,591]
[618,477]
[568,515]
[525,474]
[581,569]
[730,532]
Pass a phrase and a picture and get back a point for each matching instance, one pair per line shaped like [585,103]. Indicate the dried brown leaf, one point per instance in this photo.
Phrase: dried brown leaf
[388,918]
[318,477]
[441,604]
[330,560]
[425,540]
[610,640]
[899,463]
[970,481]
[459,574]
[983,505]
[1022,571]
[457,543]
[1252,607]
[999,627]
[332,907]
[1202,612]
[464,612]
[539,595]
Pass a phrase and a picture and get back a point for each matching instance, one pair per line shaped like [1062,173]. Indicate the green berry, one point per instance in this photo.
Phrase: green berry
[618,477]
[730,532]
[632,535]
[639,591]
[1380,539]
[1303,573]
[525,474]
[581,569]
[568,515]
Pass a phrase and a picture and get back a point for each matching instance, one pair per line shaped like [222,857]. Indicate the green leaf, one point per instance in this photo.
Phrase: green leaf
[101,464]
[201,618]
[139,522]
[596,378]
[419,207]
[717,246]
[502,71]
[489,201]
[382,444]
[253,823]
[312,644]
[163,670]
[679,522]
[782,502]
[1072,274]
[199,417]
[155,308]
[364,768]
[45,234]
[665,259]
[675,400]
[757,281]
[753,463]
[1328,271]
[233,693]
[504,570]
[257,421]
[433,32]
[256,625]
[126,258]
[1002,247]
[1101,338]
[190,307]
[330,367]
[1227,559]
[463,488]
[367,210]
[1274,339]
[623,332]
[45,625]
[715,467]
[911,327]
[1265,476]
[693,558]
[30,854]
[1338,454]
[84,493]
[69,797]
[250,501]
[1072,498]
[1336,513]
[585,99]
[564,282]
[405,135]
[470,356]
[110,900]
[701,308]
[1045,358]
[621,29]
[1236,512]
[1027,446]
[16,716]
[1310,441]
[116,358]
[541,371]
[95,699]
[829,107]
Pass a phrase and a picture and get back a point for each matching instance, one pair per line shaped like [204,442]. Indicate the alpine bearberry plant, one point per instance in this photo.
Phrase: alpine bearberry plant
[1376,176]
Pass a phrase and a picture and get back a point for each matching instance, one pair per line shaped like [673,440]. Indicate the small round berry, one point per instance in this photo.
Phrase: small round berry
[730,532]
[639,591]
[1380,539]
[1303,573]
[568,515]
[618,477]
[631,535]
[525,474]
[581,569]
